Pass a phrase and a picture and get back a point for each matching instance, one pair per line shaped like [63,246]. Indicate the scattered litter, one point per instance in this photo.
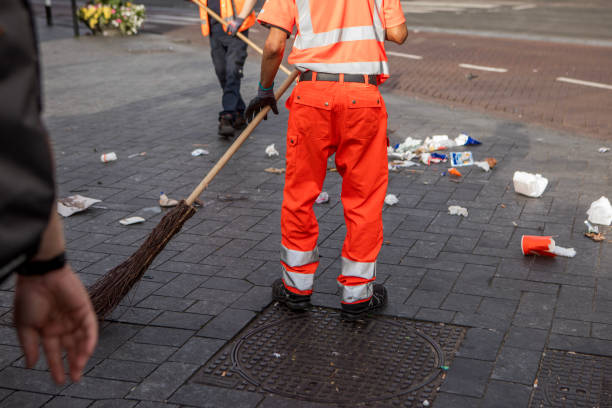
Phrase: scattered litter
[440,156]
[229,197]
[199,152]
[439,142]
[74,204]
[454,172]
[274,170]
[483,165]
[271,150]
[408,145]
[544,246]
[444,368]
[335,353]
[426,158]
[456,210]
[593,232]
[403,163]
[603,149]
[164,201]
[131,220]
[154,210]
[108,157]
[131,156]
[600,212]
[322,198]
[531,185]
[426,403]
[514,223]
[466,140]
[277,355]
[492,162]
[391,199]
[332,169]
[535,383]
[461,159]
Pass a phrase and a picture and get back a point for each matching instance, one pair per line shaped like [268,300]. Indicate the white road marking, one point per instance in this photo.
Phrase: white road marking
[483,68]
[401,54]
[524,7]
[585,83]
[174,17]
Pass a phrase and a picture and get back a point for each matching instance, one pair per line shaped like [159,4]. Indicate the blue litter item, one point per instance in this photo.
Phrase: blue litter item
[439,156]
[471,141]
[396,146]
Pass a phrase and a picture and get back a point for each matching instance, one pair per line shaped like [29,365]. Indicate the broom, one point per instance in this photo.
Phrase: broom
[109,290]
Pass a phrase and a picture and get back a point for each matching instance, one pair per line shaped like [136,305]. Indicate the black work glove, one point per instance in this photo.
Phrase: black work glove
[234,26]
[265,97]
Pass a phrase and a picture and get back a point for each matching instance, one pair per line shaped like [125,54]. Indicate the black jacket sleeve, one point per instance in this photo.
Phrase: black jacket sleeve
[26,168]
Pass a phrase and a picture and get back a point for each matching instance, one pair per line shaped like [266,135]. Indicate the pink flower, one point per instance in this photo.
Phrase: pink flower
[113,11]
[118,20]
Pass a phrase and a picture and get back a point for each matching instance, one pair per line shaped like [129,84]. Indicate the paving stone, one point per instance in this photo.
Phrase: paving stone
[9,354]
[234,285]
[197,350]
[146,353]
[181,285]
[258,297]
[571,327]
[526,338]
[182,320]
[446,400]
[166,303]
[426,298]
[517,365]
[227,324]
[114,403]
[461,303]
[8,336]
[136,315]
[206,396]
[602,331]
[97,388]
[580,345]
[4,393]
[67,402]
[163,336]
[467,377]
[122,370]
[162,383]
[506,395]
[274,401]
[153,404]
[502,308]
[28,380]
[435,315]
[22,399]
[438,281]
[481,344]
[426,249]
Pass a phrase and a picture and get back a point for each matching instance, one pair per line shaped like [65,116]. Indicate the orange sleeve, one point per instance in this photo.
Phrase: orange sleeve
[278,13]
[393,13]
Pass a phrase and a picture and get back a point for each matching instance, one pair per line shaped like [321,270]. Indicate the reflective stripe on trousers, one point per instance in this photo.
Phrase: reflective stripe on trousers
[298,269]
[348,119]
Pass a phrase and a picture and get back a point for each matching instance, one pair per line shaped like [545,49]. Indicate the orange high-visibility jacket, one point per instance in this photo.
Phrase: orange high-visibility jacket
[227,13]
[339,36]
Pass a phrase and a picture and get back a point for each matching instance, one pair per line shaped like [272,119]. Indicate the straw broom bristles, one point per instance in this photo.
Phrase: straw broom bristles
[108,291]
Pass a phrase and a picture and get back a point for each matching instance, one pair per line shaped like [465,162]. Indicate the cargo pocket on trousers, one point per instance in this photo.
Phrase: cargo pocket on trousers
[364,114]
[312,114]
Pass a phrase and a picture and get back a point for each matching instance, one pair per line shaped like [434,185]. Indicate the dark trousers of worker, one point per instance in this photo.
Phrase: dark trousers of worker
[350,120]
[228,55]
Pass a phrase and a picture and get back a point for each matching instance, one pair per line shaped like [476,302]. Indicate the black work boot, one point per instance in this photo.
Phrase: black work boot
[226,128]
[239,122]
[293,301]
[356,311]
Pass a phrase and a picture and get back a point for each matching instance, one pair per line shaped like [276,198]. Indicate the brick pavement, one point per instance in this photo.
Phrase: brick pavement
[158,95]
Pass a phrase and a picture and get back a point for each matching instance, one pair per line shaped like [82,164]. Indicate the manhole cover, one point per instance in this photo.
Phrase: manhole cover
[316,356]
[568,379]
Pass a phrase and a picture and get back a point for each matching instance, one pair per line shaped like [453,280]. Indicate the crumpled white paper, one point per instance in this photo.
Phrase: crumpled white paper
[271,150]
[456,210]
[199,152]
[391,199]
[322,198]
[531,185]
[74,204]
[600,212]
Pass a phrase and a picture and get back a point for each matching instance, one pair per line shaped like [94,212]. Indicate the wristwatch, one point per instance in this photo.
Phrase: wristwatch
[33,268]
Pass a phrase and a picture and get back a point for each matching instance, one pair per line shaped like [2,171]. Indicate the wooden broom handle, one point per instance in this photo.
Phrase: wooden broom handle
[238,142]
[238,34]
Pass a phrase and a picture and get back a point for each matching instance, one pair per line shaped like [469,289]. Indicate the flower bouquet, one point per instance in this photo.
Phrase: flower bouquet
[104,16]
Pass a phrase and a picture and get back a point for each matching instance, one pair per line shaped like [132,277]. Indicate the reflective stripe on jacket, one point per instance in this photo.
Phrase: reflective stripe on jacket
[227,13]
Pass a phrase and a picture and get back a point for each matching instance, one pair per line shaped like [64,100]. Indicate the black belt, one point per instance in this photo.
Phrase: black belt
[324,76]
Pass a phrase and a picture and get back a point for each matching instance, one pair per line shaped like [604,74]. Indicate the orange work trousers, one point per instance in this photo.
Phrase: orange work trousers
[350,120]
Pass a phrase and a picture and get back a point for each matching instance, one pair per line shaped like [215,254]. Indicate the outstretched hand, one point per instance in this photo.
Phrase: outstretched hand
[54,309]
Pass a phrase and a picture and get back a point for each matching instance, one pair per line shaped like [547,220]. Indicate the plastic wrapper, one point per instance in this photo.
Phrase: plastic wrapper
[600,211]
[131,220]
[439,142]
[454,172]
[274,170]
[74,204]
[466,140]
[603,149]
[108,157]
[322,198]
[544,246]
[458,159]
[199,152]
[531,185]
[271,150]
[164,201]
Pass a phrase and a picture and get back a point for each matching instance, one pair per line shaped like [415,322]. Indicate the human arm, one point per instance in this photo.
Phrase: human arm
[397,34]
[273,51]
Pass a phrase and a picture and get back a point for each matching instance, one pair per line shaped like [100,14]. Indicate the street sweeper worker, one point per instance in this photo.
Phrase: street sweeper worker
[51,305]
[229,53]
[336,107]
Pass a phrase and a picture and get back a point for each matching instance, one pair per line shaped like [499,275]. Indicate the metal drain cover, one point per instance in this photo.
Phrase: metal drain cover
[568,379]
[316,356]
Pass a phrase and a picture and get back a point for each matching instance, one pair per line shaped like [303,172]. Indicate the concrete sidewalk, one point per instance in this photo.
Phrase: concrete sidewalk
[156,95]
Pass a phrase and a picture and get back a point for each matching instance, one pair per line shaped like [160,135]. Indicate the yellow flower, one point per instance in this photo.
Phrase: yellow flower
[106,12]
